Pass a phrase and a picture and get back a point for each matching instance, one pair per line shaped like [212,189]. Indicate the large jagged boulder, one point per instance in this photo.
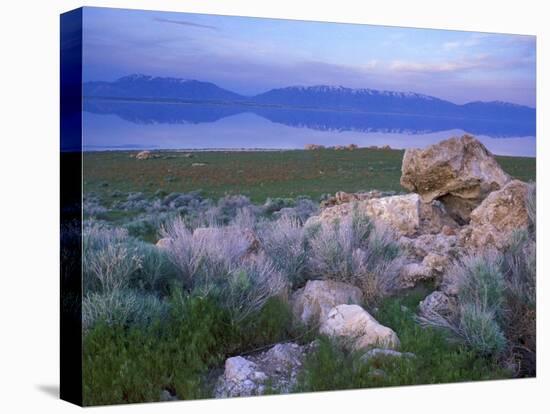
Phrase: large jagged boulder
[500,214]
[460,172]
[278,368]
[358,329]
[401,213]
[312,303]
[404,214]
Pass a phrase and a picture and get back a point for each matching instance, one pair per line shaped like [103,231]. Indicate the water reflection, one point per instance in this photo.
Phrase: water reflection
[135,124]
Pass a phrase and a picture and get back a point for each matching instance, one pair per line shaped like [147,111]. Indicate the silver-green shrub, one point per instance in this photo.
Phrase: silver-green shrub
[354,250]
[108,259]
[122,308]
[284,242]
[477,321]
[217,261]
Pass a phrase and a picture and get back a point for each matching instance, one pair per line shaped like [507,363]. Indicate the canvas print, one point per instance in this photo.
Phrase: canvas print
[273,206]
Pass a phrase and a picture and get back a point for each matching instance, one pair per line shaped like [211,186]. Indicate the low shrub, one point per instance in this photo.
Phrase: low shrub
[133,365]
[216,261]
[228,206]
[177,353]
[480,304]
[331,367]
[108,260]
[303,209]
[285,243]
[496,299]
[205,255]
[92,207]
[273,205]
[124,308]
[354,250]
[156,273]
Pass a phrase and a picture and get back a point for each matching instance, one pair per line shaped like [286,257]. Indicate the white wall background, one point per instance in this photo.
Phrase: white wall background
[29,194]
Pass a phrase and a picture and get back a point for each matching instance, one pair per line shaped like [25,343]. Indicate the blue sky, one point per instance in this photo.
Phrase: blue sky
[250,55]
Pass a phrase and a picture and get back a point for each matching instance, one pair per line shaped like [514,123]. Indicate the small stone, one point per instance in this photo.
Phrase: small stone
[355,325]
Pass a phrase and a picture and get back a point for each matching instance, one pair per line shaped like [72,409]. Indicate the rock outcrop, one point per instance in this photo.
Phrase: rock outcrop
[144,155]
[341,197]
[401,213]
[313,146]
[357,328]
[312,303]
[500,214]
[405,214]
[430,268]
[277,368]
[460,172]
[437,303]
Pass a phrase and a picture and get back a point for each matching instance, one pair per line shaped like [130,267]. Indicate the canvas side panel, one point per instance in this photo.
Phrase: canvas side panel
[71,206]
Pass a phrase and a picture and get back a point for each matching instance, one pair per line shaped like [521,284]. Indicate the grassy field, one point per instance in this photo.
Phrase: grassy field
[258,175]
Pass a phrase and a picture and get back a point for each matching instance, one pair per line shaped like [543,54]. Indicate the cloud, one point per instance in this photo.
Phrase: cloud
[186,23]
[472,40]
[435,67]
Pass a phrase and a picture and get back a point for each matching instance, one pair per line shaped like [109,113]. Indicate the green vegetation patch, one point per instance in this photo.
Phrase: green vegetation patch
[436,359]
[258,174]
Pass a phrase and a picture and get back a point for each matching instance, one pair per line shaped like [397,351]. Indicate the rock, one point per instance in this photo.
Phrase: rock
[400,212]
[460,172]
[437,303]
[501,213]
[240,378]
[284,356]
[437,263]
[376,353]
[434,218]
[358,328]
[425,244]
[432,267]
[312,303]
[341,197]
[279,367]
[313,147]
[239,369]
[164,243]
[448,231]
[412,273]
[144,155]
[166,395]
[404,213]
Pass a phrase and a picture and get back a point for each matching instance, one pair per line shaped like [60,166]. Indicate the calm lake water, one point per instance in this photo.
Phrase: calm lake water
[112,125]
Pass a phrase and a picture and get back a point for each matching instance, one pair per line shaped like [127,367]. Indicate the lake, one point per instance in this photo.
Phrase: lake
[117,125]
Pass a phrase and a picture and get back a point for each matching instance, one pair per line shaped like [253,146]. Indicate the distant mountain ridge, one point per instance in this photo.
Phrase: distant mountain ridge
[320,97]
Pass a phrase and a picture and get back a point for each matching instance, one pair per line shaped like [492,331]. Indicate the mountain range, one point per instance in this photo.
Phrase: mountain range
[145,88]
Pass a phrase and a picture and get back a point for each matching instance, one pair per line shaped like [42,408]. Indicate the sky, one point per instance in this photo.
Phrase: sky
[253,55]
